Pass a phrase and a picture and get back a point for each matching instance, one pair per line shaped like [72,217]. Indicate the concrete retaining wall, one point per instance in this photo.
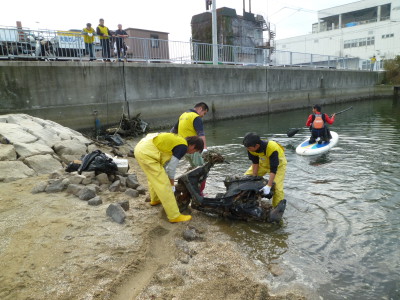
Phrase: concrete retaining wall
[69,92]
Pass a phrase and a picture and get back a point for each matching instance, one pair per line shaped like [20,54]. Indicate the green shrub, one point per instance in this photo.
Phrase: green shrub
[392,68]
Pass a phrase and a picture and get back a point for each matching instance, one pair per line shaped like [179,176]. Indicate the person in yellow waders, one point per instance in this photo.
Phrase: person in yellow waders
[267,157]
[190,123]
[159,150]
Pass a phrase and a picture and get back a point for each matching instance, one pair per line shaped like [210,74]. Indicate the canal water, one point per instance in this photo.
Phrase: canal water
[340,234]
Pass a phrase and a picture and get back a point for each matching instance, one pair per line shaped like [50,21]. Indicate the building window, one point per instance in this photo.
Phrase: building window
[316,41]
[359,42]
[386,36]
[155,42]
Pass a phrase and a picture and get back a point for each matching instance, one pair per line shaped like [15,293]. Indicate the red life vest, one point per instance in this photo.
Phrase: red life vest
[318,122]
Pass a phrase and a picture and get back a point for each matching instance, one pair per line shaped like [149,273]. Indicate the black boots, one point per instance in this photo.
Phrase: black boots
[275,215]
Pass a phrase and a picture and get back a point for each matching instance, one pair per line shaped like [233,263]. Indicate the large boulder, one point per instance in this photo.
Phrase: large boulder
[7,152]
[16,134]
[43,164]
[69,147]
[40,146]
[26,150]
[14,170]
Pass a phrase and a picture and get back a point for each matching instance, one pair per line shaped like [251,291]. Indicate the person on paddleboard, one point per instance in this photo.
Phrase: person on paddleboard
[317,122]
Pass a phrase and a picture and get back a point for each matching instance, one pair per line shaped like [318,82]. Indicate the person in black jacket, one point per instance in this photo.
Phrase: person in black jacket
[120,36]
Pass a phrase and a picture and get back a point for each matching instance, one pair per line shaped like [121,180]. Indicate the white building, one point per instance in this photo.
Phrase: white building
[359,29]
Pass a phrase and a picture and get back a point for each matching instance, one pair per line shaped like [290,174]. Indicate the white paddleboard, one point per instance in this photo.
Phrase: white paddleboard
[305,148]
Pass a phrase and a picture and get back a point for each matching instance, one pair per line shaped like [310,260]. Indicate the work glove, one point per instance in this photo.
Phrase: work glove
[204,151]
[266,190]
[173,189]
[90,34]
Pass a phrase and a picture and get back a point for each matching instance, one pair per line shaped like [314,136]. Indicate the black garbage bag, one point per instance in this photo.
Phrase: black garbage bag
[99,162]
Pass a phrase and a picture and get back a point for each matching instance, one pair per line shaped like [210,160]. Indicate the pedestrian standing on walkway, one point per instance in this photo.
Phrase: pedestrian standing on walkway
[120,36]
[373,61]
[88,38]
[104,34]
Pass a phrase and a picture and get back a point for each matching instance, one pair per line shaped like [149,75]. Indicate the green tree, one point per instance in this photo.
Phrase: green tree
[392,68]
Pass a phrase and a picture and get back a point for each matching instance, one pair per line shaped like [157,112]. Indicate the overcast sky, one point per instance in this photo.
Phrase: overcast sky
[290,17]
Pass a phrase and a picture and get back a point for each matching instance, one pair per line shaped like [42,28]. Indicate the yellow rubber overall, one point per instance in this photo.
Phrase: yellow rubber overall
[152,161]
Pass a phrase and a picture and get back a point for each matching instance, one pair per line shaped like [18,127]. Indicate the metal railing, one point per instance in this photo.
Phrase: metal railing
[25,44]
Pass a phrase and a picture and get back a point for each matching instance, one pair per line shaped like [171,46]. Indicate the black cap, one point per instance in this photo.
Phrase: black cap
[88,24]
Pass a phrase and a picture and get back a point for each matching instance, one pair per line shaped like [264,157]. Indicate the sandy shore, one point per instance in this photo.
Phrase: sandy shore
[55,246]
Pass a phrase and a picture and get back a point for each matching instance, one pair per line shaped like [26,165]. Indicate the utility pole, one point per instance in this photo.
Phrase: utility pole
[214,32]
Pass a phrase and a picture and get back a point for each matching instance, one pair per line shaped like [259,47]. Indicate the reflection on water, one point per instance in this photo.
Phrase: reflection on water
[340,237]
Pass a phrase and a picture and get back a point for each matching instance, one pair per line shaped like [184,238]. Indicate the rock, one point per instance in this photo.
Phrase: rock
[132,193]
[116,212]
[14,170]
[122,180]
[43,164]
[27,122]
[76,179]
[94,187]
[131,181]
[30,149]
[56,186]
[115,186]
[104,187]
[89,174]
[16,134]
[86,193]
[147,198]
[78,137]
[39,187]
[74,189]
[95,201]
[124,205]
[191,235]
[69,147]
[55,174]
[141,190]
[102,178]
[86,181]
[7,152]
[50,138]
[275,269]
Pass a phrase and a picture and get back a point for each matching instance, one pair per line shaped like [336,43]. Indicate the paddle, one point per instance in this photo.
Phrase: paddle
[293,131]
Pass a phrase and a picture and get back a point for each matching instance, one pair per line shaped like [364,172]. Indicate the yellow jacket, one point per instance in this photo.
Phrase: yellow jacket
[103,30]
[272,146]
[86,37]
[185,127]
[166,141]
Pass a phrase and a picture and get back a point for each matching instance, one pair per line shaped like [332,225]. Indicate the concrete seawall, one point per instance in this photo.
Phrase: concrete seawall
[70,92]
